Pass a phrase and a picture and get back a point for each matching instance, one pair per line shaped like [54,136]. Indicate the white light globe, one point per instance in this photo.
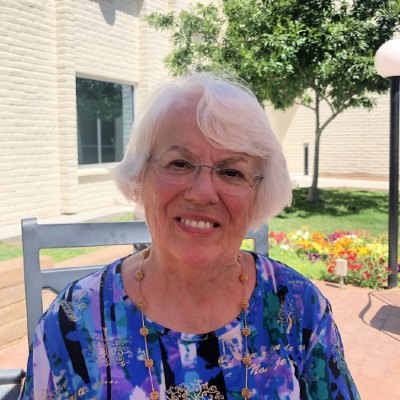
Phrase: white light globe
[387,59]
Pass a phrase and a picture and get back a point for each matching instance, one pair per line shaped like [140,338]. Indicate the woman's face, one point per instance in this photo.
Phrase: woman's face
[195,221]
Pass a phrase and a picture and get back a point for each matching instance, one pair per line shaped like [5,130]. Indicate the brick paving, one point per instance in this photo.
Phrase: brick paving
[369,322]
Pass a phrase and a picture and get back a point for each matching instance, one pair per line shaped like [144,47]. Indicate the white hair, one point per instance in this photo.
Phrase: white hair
[230,117]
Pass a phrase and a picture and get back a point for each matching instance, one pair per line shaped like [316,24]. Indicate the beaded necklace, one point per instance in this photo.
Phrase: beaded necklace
[144,331]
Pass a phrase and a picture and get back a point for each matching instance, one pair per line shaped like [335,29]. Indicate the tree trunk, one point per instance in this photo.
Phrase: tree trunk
[313,192]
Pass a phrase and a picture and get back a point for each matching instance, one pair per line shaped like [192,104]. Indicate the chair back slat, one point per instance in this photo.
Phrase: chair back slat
[43,236]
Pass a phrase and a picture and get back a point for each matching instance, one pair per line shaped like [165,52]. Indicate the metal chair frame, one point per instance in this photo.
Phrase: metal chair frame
[43,236]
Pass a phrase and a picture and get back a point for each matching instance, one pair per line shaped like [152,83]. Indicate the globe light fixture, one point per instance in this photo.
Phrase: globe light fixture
[387,64]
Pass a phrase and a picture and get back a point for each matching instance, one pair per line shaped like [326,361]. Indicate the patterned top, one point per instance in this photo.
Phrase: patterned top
[88,346]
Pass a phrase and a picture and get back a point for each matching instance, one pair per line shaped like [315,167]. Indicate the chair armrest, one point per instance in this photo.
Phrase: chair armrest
[11,376]
[10,383]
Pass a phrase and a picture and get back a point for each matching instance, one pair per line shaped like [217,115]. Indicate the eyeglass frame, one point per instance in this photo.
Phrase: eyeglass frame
[213,168]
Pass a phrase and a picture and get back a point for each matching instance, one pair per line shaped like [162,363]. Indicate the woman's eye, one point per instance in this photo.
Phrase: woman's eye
[231,173]
[180,164]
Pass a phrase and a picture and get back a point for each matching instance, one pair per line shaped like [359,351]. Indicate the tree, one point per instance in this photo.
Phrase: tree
[306,52]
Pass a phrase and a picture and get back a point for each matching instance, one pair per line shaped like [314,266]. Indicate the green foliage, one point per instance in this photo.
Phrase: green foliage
[337,209]
[285,48]
[301,263]
[196,36]
[289,51]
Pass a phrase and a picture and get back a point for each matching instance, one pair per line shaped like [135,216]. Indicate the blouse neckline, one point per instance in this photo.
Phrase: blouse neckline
[160,330]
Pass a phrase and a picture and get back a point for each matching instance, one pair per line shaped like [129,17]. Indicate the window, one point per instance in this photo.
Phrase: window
[105,115]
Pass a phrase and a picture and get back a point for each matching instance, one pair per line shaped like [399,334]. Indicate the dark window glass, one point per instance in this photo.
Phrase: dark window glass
[105,116]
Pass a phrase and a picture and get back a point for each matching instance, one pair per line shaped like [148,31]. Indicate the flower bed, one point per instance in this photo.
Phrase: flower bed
[366,255]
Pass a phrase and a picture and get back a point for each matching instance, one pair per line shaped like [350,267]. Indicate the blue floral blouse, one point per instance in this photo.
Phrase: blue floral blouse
[88,346]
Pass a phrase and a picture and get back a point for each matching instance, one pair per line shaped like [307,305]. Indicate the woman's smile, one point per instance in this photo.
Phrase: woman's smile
[201,225]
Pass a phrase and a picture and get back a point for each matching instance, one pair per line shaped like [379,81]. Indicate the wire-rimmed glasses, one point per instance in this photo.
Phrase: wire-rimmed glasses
[227,178]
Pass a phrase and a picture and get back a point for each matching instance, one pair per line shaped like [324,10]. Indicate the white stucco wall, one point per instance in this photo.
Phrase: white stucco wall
[356,143]
[29,156]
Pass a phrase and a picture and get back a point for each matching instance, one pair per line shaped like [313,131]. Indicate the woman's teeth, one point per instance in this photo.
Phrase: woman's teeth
[197,224]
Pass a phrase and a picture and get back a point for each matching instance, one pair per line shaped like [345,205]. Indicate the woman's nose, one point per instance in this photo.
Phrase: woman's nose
[202,188]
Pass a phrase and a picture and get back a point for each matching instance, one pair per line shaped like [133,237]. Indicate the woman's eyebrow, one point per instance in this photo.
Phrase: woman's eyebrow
[179,149]
[228,160]
[234,160]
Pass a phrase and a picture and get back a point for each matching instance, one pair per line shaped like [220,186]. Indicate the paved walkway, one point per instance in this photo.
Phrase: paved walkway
[300,180]
[369,322]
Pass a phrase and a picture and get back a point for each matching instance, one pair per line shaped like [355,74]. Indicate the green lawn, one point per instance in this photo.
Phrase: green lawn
[346,210]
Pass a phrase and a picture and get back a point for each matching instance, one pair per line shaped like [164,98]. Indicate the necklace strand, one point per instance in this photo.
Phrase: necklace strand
[245,330]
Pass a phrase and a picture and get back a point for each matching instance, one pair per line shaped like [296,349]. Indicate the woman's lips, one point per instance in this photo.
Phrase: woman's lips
[198,224]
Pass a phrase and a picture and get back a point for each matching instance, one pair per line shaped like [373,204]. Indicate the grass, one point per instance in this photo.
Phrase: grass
[345,210]
[9,251]
[302,264]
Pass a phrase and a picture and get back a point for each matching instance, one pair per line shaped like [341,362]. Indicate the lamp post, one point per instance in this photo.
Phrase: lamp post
[387,64]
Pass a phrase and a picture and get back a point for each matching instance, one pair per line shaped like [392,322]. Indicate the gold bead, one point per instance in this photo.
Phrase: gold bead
[246,393]
[145,253]
[139,275]
[246,359]
[148,363]
[246,331]
[245,304]
[141,303]
[154,395]
[243,277]
[144,331]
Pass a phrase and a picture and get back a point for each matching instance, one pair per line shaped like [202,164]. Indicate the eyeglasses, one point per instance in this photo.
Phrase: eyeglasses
[227,179]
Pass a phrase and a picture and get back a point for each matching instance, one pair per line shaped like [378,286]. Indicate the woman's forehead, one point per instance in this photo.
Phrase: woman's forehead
[191,141]
[180,132]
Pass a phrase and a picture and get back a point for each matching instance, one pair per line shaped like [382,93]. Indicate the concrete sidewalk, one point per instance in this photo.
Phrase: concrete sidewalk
[369,322]
[300,180]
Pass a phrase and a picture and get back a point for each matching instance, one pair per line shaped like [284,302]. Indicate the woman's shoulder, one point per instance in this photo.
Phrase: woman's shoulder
[291,293]
[82,293]
[281,278]
[277,271]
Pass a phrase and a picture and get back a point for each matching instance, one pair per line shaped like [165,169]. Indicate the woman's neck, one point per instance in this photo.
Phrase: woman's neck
[191,298]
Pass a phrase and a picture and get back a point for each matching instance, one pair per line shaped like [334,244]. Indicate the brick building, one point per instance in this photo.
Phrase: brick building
[72,75]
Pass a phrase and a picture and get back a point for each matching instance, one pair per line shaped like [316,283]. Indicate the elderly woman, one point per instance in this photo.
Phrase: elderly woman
[195,317]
